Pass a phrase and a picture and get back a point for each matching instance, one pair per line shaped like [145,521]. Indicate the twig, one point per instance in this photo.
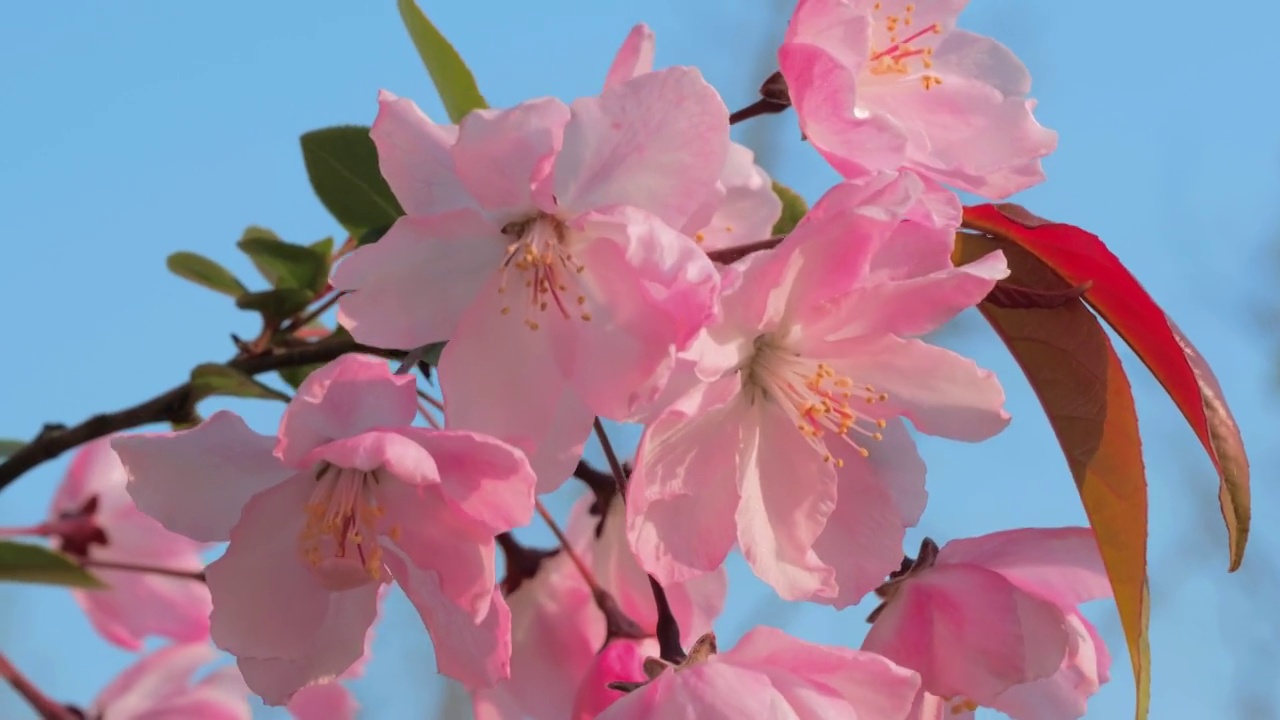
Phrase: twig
[46,708]
[736,253]
[173,405]
[315,313]
[619,474]
[131,567]
[669,647]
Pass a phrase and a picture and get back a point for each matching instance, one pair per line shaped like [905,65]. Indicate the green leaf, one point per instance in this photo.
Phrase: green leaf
[342,164]
[26,563]
[324,247]
[372,235]
[296,374]
[283,264]
[203,271]
[214,379]
[454,82]
[9,447]
[276,305]
[793,209]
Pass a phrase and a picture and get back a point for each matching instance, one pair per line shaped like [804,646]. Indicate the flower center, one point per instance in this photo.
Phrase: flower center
[340,538]
[821,402]
[906,45]
[540,255]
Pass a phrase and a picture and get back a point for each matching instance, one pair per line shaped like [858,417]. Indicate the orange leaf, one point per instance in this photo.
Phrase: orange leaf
[1076,374]
[1082,259]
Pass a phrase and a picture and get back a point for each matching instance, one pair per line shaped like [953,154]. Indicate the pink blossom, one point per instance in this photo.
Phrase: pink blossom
[93,517]
[744,207]
[543,243]
[808,375]
[992,621]
[553,615]
[884,84]
[332,700]
[769,675]
[159,686]
[345,499]
[619,661]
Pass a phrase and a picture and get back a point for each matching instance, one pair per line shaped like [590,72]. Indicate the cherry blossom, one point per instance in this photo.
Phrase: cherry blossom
[92,517]
[807,377]
[885,84]
[770,675]
[553,615]
[992,621]
[744,207]
[331,700]
[543,243]
[159,686]
[346,498]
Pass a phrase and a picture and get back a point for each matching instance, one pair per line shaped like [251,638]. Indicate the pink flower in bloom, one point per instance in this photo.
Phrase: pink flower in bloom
[93,517]
[159,687]
[619,661]
[744,207]
[554,616]
[992,621]
[543,243]
[769,675]
[331,700]
[348,497]
[884,84]
[807,376]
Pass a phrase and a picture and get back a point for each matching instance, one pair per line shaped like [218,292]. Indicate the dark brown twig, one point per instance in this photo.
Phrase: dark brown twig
[173,405]
[736,253]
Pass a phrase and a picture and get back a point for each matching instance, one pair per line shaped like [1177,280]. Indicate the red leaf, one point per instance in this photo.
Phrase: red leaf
[1080,257]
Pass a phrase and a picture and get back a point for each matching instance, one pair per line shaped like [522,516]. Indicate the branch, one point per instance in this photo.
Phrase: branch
[737,252]
[174,405]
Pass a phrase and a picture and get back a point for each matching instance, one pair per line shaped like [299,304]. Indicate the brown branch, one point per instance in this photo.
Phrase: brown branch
[47,709]
[173,405]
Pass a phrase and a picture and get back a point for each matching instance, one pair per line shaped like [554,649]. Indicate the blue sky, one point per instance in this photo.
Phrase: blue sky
[137,129]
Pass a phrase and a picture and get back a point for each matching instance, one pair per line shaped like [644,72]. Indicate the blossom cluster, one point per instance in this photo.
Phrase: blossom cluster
[615,258]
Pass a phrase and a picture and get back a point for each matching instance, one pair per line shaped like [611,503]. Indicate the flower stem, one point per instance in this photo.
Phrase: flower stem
[47,709]
[315,313]
[568,549]
[619,475]
[133,567]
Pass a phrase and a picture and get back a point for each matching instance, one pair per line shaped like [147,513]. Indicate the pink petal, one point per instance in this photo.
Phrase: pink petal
[481,477]
[195,482]
[1064,695]
[453,555]
[940,392]
[788,491]
[919,305]
[620,660]
[326,701]
[916,249]
[476,654]
[628,147]
[495,361]
[1061,565]
[414,155]
[346,397]
[707,691]
[969,632]
[749,208]
[500,154]
[650,290]
[684,488]
[94,471]
[269,604]
[981,135]
[877,498]
[411,287]
[635,57]
[389,452]
[159,686]
[870,684]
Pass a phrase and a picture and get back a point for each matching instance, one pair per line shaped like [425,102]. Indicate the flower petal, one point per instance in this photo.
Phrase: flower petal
[476,654]
[325,701]
[1063,695]
[969,632]
[788,491]
[409,288]
[414,155]
[159,685]
[267,603]
[650,291]
[749,208]
[500,154]
[455,554]
[684,488]
[496,361]
[635,57]
[481,477]
[940,392]
[346,397]
[387,451]
[628,147]
[195,482]
[1061,565]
